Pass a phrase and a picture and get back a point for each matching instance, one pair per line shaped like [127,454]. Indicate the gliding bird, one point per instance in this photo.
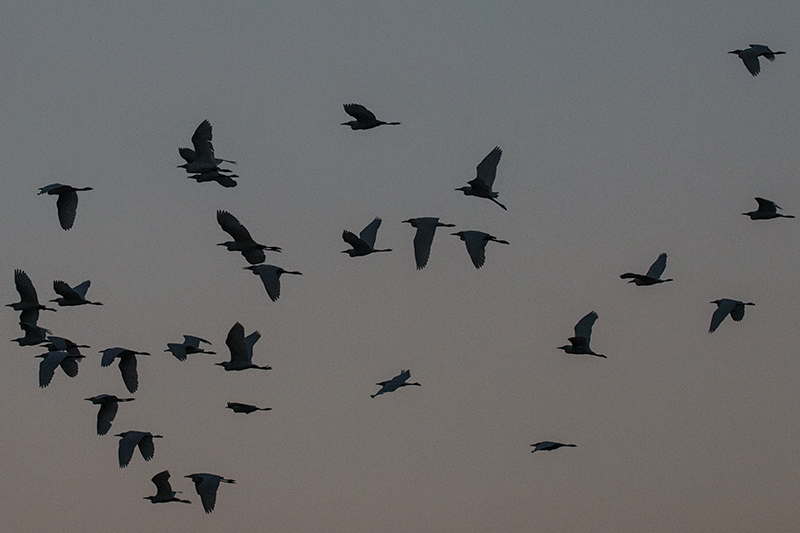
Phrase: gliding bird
[131,439]
[364,244]
[108,410]
[400,380]
[548,445]
[67,203]
[237,407]
[242,241]
[270,276]
[127,365]
[767,209]
[653,275]
[476,244]
[241,349]
[206,486]
[364,118]
[583,333]
[29,302]
[423,238]
[164,492]
[72,295]
[726,306]
[481,186]
[191,345]
[749,56]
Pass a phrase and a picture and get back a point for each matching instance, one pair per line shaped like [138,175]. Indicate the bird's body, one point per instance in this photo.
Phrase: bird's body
[127,365]
[241,349]
[423,238]
[364,118]
[749,57]
[548,445]
[28,300]
[237,407]
[72,295]
[242,241]
[164,492]
[725,307]
[653,275]
[108,410]
[476,244]
[226,180]
[129,441]
[767,209]
[67,203]
[52,360]
[364,243]
[33,335]
[481,186]
[270,276]
[400,380]
[202,159]
[190,345]
[206,486]
[583,333]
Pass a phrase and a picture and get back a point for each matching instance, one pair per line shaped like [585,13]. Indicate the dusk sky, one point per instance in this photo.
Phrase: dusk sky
[627,130]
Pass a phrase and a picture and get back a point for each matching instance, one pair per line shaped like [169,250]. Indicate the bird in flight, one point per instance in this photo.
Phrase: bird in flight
[548,445]
[749,56]
[190,345]
[72,295]
[206,486]
[400,380]
[131,439]
[245,408]
[202,158]
[653,275]
[67,203]
[28,300]
[481,186]
[52,360]
[583,334]
[164,492]
[33,334]
[242,241]
[423,238]
[271,278]
[364,243]
[127,365]
[108,410]
[364,118]
[476,244]
[766,209]
[725,307]
[241,349]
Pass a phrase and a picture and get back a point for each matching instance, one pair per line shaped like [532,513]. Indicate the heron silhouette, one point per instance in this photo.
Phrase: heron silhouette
[548,445]
[206,486]
[767,209]
[70,296]
[109,405]
[164,492]
[242,241]
[749,56]
[653,275]
[241,349]
[67,203]
[583,334]
[130,440]
[29,302]
[364,243]
[400,380]
[423,238]
[127,365]
[190,345]
[481,186]
[202,158]
[364,118]
[725,307]
[271,278]
[476,244]
[245,408]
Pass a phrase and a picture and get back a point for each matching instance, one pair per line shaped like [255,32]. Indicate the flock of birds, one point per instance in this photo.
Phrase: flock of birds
[202,165]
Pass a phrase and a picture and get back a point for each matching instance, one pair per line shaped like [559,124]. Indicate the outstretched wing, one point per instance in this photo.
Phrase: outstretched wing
[657,268]
[203,149]
[369,233]
[724,307]
[476,247]
[423,240]
[105,416]
[187,154]
[63,289]
[146,447]
[127,366]
[271,280]
[67,205]
[25,287]
[359,112]
[231,225]
[584,326]
[48,366]
[487,168]
[767,206]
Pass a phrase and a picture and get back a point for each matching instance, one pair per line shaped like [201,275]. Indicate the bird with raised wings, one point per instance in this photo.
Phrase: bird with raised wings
[72,295]
[476,244]
[481,186]
[28,300]
[423,238]
[242,241]
[767,209]
[653,275]
[364,118]
[164,492]
[245,408]
[271,278]
[400,380]
[364,243]
[67,203]
[190,346]
[725,307]
[749,56]
[548,445]
[109,405]
[206,486]
[202,158]
[241,349]
[127,365]
[583,334]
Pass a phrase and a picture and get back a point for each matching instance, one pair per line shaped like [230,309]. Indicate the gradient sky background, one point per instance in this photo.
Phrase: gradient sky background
[626,129]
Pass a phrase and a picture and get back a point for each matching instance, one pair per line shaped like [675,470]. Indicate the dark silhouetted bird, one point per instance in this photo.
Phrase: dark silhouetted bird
[583,334]
[653,275]
[127,365]
[108,410]
[52,360]
[476,244]
[226,180]
[164,492]
[206,486]
[29,301]
[33,335]
[481,186]
[364,118]
[242,241]
[241,349]
[191,345]
[364,244]
[749,56]
[726,306]
[237,407]
[67,203]
[423,238]
[766,209]
[270,276]
[202,158]
[547,445]
[400,380]
[72,295]
[131,439]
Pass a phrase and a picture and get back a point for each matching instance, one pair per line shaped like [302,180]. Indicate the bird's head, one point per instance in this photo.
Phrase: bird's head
[737,52]
[464,189]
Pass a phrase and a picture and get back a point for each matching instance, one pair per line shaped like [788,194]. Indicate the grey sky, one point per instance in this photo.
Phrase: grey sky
[627,131]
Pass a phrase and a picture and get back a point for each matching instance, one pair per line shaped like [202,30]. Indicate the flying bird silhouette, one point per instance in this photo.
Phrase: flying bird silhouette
[767,209]
[481,186]
[242,241]
[725,307]
[476,244]
[127,365]
[202,159]
[29,301]
[653,275]
[241,349]
[33,335]
[72,295]
[237,407]
[364,244]
[271,278]
[400,380]
[548,445]
[164,492]
[206,486]
[67,203]
[749,56]
[583,334]
[190,345]
[131,439]
[108,410]
[423,238]
[364,118]
[52,360]
[226,180]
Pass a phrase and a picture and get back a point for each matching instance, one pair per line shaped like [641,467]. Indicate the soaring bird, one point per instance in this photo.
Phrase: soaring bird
[364,244]
[28,301]
[481,186]
[241,349]
[547,445]
[206,486]
[33,335]
[129,441]
[583,334]
[271,278]
[127,365]
[749,56]
[52,360]
[726,306]
[364,118]
[108,410]
[67,203]
[766,209]
[400,380]
[237,407]
[653,275]
[202,159]
[164,492]
[190,345]
[242,241]
[72,295]
[423,238]
[476,244]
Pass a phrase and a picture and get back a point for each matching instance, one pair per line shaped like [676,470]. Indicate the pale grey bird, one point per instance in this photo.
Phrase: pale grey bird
[226,180]
[237,407]
[583,334]
[241,349]
[242,241]
[190,346]
[400,380]
[767,209]
[653,275]
[271,278]
[364,118]
[29,301]
[548,445]
[131,439]
[72,295]
[423,238]
[52,360]
[749,56]
[33,335]
[108,410]
[67,203]
[164,492]
[202,158]
[476,244]
[206,486]
[481,186]
[364,244]
[725,307]
[127,365]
